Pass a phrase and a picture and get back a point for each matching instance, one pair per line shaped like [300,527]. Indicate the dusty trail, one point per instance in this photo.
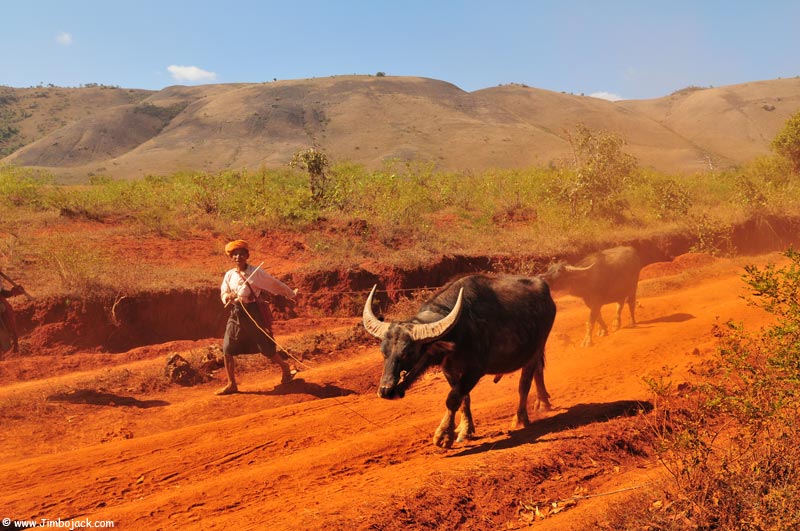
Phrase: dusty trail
[325,453]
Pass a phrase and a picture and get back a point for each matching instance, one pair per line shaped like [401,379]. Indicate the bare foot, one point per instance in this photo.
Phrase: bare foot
[288,376]
[227,390]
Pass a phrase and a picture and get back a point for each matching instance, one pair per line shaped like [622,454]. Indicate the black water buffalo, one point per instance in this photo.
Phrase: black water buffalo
[473,326]
[600,278]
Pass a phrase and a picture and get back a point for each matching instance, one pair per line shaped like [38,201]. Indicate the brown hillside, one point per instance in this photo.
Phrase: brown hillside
[733,124]
[94,139]
[650,142]
[369,120]
[37,112]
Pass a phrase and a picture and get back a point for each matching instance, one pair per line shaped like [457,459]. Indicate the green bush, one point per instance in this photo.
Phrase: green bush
[593,184]
[750,195]
[316,163]
[671,199]
[730,443]
[787,143]
[22,188]
[710,234]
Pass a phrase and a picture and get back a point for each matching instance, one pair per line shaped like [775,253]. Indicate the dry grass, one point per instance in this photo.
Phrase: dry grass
[401,220]
[371,120]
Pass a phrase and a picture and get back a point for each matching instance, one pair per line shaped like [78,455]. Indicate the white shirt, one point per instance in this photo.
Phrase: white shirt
[259,281]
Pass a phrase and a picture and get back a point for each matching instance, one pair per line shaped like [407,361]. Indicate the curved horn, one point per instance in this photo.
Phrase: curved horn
[574,269]
[433,331]
[371,323]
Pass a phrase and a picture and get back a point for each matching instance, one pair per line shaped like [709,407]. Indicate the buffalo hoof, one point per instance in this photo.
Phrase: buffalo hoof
[520,421]
[542,405]
[444,438]
[466,430]
[467,435]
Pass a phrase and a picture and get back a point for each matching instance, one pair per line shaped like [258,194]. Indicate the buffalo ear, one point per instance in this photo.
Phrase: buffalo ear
[439,349]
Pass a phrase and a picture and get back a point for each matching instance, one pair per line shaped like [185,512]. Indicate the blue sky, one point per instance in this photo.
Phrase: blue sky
[621,49]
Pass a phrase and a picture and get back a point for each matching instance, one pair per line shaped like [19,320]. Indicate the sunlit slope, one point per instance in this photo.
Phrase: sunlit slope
[373,120]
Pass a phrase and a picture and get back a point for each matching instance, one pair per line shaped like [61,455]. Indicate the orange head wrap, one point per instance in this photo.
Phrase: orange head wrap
[236,244]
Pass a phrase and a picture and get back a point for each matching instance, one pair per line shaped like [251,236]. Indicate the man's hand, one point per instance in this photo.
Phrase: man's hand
[228,298]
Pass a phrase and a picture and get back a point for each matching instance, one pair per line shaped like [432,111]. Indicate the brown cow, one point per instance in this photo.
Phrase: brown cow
[603,277]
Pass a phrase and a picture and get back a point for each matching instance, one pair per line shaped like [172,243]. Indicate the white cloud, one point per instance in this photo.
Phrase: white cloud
[63,38]
[606,96]
[191,74]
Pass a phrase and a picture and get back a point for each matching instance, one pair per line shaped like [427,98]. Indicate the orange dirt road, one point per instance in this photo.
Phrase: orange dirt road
[324,452]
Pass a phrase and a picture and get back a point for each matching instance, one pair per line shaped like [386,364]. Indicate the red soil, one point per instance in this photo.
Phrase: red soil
[85,437]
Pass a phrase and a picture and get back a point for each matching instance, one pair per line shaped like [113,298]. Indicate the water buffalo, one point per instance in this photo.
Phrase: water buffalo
[473,326]
[600,278]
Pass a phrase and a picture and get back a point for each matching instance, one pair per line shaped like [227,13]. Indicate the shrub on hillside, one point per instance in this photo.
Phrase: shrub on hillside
[787,143]
[21,187]
[670,199]
[730,443]
[594,182]
[316,163]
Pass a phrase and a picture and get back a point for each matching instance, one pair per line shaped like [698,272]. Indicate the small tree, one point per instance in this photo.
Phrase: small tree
[315,162]
[787,143]
[601,172]
[671,199]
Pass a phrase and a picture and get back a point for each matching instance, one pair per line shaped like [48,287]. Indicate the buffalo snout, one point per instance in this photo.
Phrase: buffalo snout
[391,392]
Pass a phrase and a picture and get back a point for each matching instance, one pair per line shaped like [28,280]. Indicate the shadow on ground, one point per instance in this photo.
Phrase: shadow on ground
[99,398]
[674,318]
[574,417]
[299,386]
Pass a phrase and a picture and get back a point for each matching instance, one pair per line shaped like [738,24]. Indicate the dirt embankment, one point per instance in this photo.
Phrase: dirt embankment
[65,325]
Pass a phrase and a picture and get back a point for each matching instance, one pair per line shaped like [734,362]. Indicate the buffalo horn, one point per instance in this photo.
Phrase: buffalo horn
[575,269]
[371,323]
[433,331]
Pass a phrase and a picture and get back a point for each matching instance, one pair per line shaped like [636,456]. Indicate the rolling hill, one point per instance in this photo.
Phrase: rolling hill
[130,133]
